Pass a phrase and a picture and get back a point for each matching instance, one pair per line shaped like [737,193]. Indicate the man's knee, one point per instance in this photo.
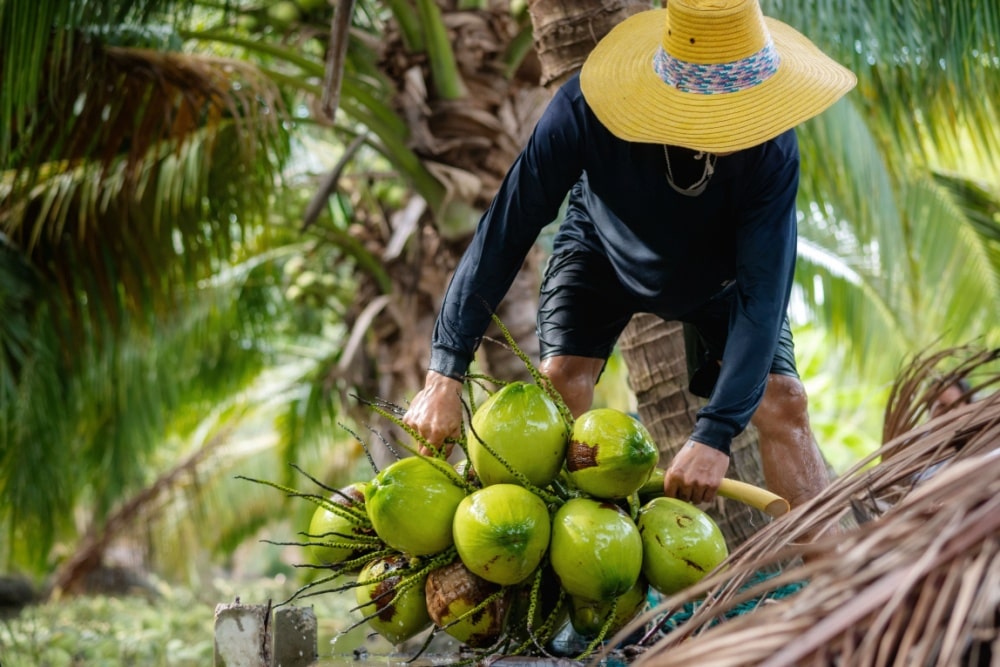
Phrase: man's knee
[574,378]
[784,405]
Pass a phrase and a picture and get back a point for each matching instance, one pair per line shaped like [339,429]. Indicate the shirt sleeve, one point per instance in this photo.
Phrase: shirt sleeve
[528,199]
[766,252]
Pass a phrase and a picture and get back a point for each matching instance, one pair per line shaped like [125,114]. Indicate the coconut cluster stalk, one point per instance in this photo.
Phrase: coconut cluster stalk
[357,540]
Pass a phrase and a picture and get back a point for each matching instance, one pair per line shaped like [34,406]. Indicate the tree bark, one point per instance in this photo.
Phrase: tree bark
[565,32]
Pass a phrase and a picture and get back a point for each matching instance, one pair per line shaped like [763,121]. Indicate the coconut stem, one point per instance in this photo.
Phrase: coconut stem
[754,496]
[547,629]
[603,633]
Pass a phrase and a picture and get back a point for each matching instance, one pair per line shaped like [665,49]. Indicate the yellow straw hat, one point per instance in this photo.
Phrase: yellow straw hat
[710,75]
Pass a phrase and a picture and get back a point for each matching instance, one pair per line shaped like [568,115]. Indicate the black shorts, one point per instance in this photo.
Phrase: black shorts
[583,309]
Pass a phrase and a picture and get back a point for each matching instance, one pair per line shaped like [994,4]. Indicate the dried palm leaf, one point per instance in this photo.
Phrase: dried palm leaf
[118,101]
[923,380]
[913,578]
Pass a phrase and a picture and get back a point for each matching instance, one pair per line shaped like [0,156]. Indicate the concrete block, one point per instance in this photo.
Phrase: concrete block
[241,635]
[294,634]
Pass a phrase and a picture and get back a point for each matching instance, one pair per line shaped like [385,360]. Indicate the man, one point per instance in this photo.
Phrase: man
[954,395]
[677,148]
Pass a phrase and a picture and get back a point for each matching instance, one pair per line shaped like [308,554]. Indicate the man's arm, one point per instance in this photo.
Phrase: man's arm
[766,263]
[528,199]
[766,250]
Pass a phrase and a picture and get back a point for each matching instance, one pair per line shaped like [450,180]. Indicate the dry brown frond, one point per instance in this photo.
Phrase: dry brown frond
[924,379]
[912,578]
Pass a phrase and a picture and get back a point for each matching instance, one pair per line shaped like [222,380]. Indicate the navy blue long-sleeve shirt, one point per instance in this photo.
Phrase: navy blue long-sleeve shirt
[670,250]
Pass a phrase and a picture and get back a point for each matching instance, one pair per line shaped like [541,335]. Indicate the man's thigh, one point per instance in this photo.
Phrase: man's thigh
[582,308]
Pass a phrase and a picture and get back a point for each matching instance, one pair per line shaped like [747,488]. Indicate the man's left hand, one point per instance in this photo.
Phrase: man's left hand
[695,473]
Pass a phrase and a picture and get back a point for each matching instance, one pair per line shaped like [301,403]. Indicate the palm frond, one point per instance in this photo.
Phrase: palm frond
[890,261]
[102,409]
[171,225]
[126,101]
[846,187]
[20,293]
[256,432]
[37,468]
[981,208]
[41,43]
[954,285]
[927,70]
[851,304]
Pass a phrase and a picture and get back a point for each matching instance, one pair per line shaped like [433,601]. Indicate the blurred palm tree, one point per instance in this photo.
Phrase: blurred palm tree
[134,183]
[144,212]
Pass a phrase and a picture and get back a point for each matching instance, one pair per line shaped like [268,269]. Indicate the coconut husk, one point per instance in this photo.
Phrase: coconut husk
[906,571]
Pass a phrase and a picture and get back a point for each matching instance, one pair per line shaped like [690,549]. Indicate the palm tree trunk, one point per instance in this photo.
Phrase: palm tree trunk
[565,31]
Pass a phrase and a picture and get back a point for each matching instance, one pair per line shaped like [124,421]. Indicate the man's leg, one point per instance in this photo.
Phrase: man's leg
[574,337]
[574,378]
[793,465]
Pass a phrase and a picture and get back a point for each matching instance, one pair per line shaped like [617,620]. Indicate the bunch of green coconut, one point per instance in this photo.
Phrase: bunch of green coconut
[547,520]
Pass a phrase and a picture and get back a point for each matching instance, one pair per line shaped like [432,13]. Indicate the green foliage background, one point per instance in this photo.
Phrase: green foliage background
[165,305]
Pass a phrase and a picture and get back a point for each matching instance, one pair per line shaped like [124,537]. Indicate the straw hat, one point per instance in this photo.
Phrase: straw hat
[710,75]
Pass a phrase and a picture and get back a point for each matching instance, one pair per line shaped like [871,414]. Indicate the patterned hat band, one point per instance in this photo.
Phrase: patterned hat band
[712,78]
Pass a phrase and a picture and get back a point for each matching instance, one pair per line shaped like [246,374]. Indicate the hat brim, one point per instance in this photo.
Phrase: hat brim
[620,85]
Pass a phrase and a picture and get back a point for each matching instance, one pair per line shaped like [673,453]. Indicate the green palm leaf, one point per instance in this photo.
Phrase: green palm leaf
[926,70]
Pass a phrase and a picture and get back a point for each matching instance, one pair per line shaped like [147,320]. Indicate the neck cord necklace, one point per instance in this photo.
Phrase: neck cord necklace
[698,186]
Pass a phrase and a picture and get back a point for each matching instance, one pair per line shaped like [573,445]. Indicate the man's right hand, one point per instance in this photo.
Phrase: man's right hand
[695,473]
[436,412]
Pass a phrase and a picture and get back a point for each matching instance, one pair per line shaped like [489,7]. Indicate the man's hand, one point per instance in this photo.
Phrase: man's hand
[436,412]
[695,473]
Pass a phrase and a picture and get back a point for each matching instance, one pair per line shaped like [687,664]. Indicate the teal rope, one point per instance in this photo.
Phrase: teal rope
[685,612]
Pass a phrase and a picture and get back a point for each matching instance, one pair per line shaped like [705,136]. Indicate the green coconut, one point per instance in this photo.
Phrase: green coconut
[412,502]
[680,544]
[589,616]
[501,533]
[595,550]
[453,592]
[339,532]
[610,454]
[394,601]
[522,424]
[283,13]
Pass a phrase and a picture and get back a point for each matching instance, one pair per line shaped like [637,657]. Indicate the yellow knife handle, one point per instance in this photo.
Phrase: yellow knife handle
[754,496]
